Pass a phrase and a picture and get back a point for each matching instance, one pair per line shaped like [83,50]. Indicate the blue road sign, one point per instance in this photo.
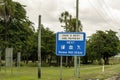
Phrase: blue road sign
[70,44]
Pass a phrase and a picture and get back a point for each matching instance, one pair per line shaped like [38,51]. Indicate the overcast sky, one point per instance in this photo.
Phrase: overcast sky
[94,14]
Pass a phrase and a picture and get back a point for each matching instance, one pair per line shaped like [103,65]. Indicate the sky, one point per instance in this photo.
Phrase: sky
[93,14]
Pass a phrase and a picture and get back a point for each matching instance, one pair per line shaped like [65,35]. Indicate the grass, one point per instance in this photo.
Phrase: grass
[53,73]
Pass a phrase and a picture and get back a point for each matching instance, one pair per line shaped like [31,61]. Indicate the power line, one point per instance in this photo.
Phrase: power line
[102,10]
[98,12]
[111,15]
[106,11]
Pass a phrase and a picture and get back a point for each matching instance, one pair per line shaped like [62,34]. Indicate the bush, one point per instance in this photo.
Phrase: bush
[95,62]
[101,61]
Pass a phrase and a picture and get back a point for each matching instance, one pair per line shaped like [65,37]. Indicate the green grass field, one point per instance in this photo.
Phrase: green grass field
[53,73]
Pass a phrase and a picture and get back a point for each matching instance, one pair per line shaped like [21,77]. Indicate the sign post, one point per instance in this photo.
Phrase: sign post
[70,44]
[60,67]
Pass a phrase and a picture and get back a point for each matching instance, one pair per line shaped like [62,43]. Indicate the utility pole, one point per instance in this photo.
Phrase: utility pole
[77,5]
[119,34]
[60,67]
[77,27]
[75,58]
[39,48]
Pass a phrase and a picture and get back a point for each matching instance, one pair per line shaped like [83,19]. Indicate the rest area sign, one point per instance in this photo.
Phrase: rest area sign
[70,44]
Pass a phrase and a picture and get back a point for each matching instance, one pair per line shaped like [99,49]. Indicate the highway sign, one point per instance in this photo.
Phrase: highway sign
[70,43]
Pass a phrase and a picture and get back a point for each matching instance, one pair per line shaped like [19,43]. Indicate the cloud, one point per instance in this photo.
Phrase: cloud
[114,4]
[94,14]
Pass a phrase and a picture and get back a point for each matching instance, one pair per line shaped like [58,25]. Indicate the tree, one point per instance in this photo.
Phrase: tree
[7,10]
[15,27]
[65,18]
[90,54]
[69,22]
[111,46]
[48,44]
[6,13]
[72,25]
[104,44]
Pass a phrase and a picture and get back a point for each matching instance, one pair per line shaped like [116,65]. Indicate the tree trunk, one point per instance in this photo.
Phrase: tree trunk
[49,60]
[106,60]
[58,60]
[26,60]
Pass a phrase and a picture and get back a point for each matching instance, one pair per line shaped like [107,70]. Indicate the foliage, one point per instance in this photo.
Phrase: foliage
[15,28]
[16,31]
[48,44]
[65,18]
[69,22]
[90,54]
[104,45]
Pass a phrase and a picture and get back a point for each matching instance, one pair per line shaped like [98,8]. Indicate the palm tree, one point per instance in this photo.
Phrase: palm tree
[6,14]
[72,25]
[7,10]
[69,22]
[65,18]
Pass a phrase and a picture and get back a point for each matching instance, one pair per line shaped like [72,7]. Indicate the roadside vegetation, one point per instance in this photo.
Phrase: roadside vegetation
[17,32]
[53,73]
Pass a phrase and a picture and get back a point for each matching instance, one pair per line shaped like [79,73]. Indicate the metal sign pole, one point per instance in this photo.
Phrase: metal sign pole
[79,68]
[75,66]
[61,68]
